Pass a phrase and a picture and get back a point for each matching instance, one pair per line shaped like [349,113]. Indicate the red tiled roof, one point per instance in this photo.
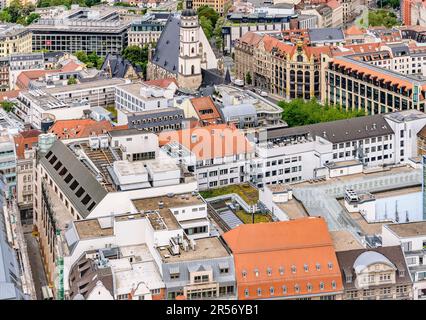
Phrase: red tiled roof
[266,253]
[71,66]
[250,38]
[25,140]
[364,47]
[163,83]
[209,142]
[374,73]
[354,30]
[290,49]
[333,4]
[206,110]
[69,129]
[7,95]
[25,77]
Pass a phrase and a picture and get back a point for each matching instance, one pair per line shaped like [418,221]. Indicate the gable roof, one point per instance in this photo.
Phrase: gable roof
[326,35]
[79,173]
[205,109]
[283,235]
[117,64]
[79,128]
[29,138]
[162,83]
[284,254]
[340,130]
[250,38]
[166,53]
[350,261]
[209,142]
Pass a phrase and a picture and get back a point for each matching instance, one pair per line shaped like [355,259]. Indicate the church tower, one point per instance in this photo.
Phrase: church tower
[189,73]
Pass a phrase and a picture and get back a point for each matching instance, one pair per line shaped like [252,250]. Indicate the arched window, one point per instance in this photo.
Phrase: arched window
[192,69]
[192,50]
[299,58]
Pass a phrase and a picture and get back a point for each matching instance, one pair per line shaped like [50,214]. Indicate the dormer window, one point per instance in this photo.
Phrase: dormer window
[256,272]
[321,285]
[333,284]
[284,289]
[309,286]
[244,273]
[259,291]
[246,292]
[281,270]
[305,267]
[318,267]
[297,288]
[401,273]
[272,291]
[269,271]
[348,278]
[330,265]
[293,269]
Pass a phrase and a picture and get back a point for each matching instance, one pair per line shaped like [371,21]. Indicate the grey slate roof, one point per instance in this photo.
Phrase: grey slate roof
[368,258]
[399,49]
[340,130]
[393,254]
[117,64]
[79,173]
[166,53]
[325,35]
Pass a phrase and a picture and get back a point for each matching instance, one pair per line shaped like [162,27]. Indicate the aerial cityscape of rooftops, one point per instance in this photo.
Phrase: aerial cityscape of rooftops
[212,150]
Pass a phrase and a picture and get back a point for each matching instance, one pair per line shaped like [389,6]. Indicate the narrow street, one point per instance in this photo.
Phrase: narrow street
[39,276]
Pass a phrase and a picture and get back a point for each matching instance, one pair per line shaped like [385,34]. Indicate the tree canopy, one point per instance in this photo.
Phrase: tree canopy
[299,112]
[137,56]
[72,80]
[7,106]
[67,3]
[208,18]
[382,18]
[18,13]
[91,60]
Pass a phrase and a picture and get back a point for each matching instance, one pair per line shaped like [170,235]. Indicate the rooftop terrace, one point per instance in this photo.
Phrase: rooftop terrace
[205,248]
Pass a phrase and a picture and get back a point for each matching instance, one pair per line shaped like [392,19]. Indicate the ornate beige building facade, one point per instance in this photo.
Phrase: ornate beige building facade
[288,70]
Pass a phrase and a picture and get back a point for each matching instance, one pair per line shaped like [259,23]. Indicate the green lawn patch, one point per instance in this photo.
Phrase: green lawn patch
[249,194]
[247,218]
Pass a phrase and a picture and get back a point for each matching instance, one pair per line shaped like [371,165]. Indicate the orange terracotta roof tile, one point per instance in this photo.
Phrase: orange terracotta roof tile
[364,47]
[333,4]
[250,38]
[374,73]
[71,66]
[284,254]
[80,128]
[205,109]
[354,31]
[7,95]
[25,140]
[209,142]
[25,77]
[163,83]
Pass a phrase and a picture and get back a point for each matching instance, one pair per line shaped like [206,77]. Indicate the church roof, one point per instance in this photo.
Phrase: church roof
[118,65]
[166,53]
